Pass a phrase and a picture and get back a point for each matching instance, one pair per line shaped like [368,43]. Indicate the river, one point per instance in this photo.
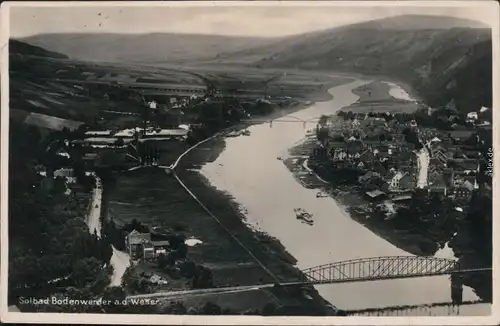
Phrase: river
[248,169]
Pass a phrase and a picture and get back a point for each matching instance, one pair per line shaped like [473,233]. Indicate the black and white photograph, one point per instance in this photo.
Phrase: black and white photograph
[249,162]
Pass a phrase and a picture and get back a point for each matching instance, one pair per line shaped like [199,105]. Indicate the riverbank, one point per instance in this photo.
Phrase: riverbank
[311,174]
[265,248]
[382,96]
[169,206]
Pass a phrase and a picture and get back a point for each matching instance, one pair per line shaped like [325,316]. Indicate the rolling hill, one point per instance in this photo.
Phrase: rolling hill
[22,48]
[145,48]
[439,57]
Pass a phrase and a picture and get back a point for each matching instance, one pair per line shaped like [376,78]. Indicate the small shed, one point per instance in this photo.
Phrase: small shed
[375,194]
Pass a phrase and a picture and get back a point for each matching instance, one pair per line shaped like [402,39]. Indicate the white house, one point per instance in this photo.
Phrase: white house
[472,116]
[394,183]
[65,173]
[153,105]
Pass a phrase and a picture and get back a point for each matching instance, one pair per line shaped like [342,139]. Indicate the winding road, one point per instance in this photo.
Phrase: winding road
[119,260]
[423,165]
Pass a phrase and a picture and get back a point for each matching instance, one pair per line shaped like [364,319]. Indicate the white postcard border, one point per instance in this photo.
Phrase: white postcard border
[17,317]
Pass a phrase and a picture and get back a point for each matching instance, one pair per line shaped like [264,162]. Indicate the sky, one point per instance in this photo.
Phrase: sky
[267,20]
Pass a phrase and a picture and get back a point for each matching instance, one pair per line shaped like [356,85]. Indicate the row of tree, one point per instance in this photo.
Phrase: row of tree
[49,239]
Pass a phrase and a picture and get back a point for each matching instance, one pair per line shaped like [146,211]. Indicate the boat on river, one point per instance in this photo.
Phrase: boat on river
[304,216]
[321,194]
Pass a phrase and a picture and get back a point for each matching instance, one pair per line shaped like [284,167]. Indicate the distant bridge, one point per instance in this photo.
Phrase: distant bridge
[289,118]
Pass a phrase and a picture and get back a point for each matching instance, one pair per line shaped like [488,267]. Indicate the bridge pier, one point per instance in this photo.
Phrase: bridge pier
[456,289]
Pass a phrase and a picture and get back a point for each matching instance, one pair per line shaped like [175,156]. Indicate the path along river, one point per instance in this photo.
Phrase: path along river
[249,171]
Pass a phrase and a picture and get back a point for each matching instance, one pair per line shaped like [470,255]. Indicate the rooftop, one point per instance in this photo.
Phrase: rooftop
[135,237]
[375,193]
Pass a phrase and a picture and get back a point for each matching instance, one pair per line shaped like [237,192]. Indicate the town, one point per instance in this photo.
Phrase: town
[398,165]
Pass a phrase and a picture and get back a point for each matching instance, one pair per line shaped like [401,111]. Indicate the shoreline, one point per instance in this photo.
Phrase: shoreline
[347,199]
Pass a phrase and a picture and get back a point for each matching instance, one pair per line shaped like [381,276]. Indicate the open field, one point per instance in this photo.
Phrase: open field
[51,122]
[280,82]
[75,90]
[165,203]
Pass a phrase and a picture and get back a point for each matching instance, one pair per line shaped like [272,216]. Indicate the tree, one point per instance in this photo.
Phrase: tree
[115,295]
[211,308]
[176,308]
[182,250]
[269,309]
[135,225]
[322,134]
[188,269]
[162,261]
[203,278]
[323,120]
[85,271]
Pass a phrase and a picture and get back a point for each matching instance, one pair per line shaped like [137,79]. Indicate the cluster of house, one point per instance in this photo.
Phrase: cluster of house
[389,163]
[105,138]
[454,163]
[474,117]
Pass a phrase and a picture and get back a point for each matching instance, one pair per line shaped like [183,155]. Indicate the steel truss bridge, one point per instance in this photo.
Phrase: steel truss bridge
[355,270]
[383,268]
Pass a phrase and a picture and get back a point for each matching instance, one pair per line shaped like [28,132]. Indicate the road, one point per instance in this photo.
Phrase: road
[423,164]
[199,292]
[119,260]
[93,219]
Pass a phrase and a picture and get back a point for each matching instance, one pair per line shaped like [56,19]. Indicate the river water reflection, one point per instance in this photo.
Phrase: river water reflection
[249,171]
